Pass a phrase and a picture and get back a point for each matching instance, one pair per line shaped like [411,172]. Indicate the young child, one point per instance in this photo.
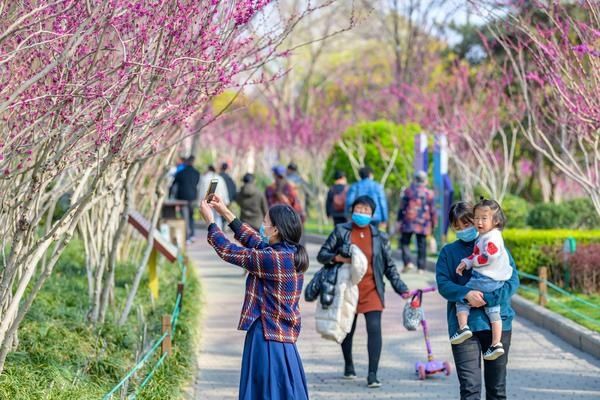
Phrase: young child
[491,267]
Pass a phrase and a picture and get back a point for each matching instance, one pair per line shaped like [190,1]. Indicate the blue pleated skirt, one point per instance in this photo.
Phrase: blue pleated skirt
[271,370]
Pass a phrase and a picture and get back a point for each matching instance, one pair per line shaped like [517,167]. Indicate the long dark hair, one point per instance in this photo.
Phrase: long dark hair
[289,226]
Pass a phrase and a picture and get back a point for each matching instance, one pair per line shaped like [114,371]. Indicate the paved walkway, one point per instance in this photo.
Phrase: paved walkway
[541,366]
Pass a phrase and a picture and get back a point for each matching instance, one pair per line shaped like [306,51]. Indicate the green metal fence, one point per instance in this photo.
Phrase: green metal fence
[156,345]
[556,301]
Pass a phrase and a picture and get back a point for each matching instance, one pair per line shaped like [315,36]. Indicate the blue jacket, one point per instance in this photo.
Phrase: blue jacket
[452,287]
[374,190]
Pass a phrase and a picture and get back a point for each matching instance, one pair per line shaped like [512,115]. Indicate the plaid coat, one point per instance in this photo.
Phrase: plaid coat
[273,286]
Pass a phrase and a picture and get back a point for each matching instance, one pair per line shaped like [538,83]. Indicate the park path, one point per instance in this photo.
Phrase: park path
[541,366]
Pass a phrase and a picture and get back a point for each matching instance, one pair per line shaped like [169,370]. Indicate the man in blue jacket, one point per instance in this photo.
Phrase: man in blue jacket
[368,187]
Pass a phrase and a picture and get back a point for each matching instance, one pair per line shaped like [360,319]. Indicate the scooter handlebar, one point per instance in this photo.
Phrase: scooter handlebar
[424,290]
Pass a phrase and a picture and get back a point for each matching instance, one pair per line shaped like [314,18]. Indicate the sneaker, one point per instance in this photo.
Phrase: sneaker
[461,335]
[494,352]
[372,381]
[409,267]
[421,272]
[349,372]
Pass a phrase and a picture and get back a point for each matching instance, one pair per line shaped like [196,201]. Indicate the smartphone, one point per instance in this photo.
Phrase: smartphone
[211,189]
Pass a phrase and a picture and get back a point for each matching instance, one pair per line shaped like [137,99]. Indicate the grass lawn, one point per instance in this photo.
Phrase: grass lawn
[60,356]
[563,305]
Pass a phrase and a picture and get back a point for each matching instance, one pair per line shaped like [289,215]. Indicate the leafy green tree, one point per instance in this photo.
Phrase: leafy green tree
[384,146]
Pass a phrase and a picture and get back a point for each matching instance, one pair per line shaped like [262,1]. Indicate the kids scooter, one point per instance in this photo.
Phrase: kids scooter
[415,310]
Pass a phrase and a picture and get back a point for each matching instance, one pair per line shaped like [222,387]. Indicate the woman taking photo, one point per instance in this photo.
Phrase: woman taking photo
[376,247]
[451,285]
[275,261]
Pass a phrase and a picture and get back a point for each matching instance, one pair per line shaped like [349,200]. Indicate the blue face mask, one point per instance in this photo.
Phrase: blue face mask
[361,220]
[263,235]
[467,235]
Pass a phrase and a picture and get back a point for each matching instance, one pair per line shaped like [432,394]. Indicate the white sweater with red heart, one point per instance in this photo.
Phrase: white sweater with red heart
[489,257]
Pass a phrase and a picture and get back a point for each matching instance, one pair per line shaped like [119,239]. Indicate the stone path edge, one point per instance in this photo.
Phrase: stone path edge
[576,335]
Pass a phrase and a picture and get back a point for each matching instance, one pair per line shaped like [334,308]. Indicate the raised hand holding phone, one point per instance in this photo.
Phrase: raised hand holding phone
[217,204]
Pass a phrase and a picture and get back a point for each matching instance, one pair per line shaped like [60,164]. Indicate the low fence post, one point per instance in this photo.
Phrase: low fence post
[180,287]
[166,327]
[542,286]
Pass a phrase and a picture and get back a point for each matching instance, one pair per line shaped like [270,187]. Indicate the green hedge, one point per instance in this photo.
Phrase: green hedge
[571,214]
[530,247]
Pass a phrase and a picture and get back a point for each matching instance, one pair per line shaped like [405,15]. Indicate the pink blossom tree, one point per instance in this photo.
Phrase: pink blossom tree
[474,107]
[557,67]
[89,88]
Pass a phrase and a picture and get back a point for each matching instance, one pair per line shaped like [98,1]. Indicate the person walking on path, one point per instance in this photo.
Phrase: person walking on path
[302,188]
[231,188]
[335,204]
[376,247]
[368,187]
[417,216]
[451,285]
[221,190]
[281,191]
[253,204]
[276,262]
[185,187]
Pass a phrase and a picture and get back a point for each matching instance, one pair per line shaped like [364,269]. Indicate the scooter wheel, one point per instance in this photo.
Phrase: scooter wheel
[421,372]
[447,368]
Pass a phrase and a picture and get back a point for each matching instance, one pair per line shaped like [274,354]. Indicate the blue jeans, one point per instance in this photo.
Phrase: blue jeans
[493,313]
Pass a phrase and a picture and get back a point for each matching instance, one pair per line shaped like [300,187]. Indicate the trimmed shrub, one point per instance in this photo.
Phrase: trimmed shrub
[532,248]
[375,137]
[584,213]
[550,216]
[516,210]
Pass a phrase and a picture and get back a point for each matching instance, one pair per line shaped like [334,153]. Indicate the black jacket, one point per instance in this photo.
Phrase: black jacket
[231,188]
[383,264]
[185,184]
[253,205]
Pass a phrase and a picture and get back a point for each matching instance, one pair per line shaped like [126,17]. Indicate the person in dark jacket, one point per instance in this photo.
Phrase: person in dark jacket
[335,204]
[252,202]
[231,188]
[376,246]
[185,186]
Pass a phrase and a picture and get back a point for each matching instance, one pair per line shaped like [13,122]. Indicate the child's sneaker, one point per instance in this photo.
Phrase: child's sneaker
[461,335]
[494,352]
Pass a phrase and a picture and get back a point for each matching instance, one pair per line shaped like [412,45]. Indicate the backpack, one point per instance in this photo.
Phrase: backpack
[339,200]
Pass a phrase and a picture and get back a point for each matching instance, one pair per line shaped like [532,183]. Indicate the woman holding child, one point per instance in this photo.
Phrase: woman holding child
[477,276]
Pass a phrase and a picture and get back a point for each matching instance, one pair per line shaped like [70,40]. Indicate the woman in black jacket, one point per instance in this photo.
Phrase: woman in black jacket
[376,246]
